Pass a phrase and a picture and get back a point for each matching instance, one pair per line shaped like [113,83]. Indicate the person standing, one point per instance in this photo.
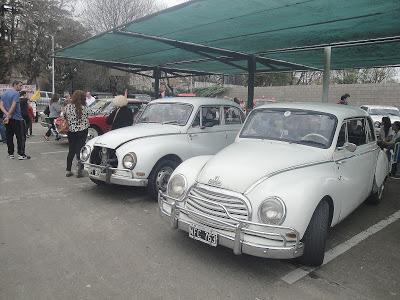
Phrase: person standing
[10,105]
[2,129]
[121,116]
[55,111]
[89,99]
[344,99]
[31,118]
[76,114]
[25,111]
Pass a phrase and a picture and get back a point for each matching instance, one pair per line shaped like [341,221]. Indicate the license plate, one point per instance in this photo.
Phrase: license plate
[203,234]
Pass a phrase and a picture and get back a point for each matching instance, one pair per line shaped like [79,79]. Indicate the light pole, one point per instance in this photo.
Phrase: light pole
[52,64]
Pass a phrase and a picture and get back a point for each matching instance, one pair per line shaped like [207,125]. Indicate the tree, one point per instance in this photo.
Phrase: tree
[374,75]
[103,15]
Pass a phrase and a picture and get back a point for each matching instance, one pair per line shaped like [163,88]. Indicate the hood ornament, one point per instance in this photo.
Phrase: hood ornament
[215,181]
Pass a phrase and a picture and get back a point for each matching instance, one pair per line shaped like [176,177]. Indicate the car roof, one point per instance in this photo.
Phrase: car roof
[197,101]
[339,110]
[380,106]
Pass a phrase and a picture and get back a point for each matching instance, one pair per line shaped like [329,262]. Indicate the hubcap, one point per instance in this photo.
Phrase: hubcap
[162,178]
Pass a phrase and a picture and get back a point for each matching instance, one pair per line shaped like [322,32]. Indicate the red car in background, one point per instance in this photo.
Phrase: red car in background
[97,122]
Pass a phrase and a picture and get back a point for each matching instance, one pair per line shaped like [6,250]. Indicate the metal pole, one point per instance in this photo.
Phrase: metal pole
[52,64]
[156,75]
[327,71]
[250,85]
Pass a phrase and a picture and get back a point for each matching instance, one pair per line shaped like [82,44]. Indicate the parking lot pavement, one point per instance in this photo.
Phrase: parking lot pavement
[66,238]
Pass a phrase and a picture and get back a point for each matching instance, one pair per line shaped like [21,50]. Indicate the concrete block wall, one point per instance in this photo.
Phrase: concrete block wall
[384,94]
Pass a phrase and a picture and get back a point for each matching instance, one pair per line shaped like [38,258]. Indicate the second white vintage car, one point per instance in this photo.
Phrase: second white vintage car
[168,132]
[295,170]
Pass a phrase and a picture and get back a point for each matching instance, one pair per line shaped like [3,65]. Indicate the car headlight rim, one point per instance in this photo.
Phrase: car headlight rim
[177,195]
[85,153]
[129,161]
[264,219]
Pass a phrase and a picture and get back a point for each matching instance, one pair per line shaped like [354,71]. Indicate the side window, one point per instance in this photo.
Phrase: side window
[210,116]
[196,121]
[232,115]
[356,131]
[342,136]
[364,108]
[43,94]
[370,130]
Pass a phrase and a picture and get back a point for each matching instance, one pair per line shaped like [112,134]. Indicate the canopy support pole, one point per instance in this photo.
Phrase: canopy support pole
[252,66]
[156,75]
[327,71]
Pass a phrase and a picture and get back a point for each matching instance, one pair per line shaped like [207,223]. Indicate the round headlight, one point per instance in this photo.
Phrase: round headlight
[85,153]
[129,161]
[377,124]
[272,211]
[177,186]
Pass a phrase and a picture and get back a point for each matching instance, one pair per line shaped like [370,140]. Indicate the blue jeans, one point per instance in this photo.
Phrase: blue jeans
[2,131]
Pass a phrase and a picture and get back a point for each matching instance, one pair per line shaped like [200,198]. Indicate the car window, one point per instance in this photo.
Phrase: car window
[356,131]
[210,116]
[167,113]
[364,108]
[196,121]
[232,115]
[342,136]
[43,94]
[370,130]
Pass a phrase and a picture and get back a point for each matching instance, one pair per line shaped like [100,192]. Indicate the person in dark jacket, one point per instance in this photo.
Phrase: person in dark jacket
[25,110]
[122,115]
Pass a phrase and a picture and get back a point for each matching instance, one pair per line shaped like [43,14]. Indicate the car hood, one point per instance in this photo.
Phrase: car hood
[240,165]
[116,138]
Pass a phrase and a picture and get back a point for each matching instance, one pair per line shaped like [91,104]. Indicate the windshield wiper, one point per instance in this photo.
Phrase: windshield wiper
[170,122]
[308,142]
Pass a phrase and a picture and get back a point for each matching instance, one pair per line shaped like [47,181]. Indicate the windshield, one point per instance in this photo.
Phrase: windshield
[384,111]
[108,108]
[166,113]
[290,125]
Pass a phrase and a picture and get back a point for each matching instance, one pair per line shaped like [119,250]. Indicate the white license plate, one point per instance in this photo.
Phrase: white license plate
[203,234]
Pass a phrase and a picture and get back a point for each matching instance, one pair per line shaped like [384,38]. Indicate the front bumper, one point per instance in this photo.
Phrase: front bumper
[113,175]
[240,239]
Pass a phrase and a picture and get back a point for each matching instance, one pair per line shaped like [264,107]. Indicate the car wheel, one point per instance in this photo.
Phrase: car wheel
[376,194]
[98,182]
[159,176]
[93,132]
[314,239]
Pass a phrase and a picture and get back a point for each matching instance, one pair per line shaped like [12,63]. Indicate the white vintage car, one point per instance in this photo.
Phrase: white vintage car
[295,170]
[168,132]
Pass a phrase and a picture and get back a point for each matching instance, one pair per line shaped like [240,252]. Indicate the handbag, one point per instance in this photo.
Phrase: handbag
[64,126]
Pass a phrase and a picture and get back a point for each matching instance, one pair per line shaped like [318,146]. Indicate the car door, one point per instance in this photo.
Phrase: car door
[206,134]
[233,120]
[353,170]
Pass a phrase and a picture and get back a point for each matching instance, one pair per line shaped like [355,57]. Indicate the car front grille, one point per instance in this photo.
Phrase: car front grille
[104,157]
[207,200]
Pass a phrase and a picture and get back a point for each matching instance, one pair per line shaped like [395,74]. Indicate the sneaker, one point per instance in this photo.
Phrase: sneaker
[69,174]
[11,156]
[23,157]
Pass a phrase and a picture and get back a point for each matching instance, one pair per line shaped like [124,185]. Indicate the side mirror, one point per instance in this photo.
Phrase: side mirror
[350,147]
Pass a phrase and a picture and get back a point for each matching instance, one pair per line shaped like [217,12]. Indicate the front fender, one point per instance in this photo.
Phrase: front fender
[301,190]
[191,168]
[150,150]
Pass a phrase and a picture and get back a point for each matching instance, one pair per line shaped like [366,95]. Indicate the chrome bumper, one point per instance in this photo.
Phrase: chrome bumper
[113,175]
[237,242]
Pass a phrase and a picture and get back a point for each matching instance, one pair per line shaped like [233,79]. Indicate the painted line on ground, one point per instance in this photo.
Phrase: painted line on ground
[331,254]
[54,152]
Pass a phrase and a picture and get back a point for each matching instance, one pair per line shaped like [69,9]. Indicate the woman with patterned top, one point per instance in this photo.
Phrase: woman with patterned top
[76,115]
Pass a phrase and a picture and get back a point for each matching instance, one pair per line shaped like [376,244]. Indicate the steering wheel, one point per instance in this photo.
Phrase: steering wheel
[317,135]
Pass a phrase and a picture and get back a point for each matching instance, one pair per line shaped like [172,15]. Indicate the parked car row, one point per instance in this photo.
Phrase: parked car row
[269,186]
[377,112]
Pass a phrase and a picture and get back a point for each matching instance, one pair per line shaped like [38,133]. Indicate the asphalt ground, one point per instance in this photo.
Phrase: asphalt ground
[66,238]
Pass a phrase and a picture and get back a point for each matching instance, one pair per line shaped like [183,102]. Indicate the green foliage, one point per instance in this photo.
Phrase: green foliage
[212,91]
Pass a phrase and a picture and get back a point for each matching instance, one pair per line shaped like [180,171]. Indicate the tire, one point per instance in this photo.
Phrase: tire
[93,132]
[98,182]
[314,239]
[159,176]
[376,194]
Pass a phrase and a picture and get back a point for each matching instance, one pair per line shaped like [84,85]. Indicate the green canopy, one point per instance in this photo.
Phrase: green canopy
[220,36]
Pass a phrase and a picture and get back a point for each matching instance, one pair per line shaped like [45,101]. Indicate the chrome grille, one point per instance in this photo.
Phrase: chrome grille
[104,157]
[207,200]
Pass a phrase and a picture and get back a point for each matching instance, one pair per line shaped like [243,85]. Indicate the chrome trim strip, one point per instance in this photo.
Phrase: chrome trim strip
[267,176]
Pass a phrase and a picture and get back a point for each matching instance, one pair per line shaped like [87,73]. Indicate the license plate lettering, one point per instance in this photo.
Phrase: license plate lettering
[203,234]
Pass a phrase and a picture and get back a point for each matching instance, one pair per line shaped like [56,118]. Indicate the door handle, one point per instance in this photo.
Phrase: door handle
[193,135]
[341,162]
